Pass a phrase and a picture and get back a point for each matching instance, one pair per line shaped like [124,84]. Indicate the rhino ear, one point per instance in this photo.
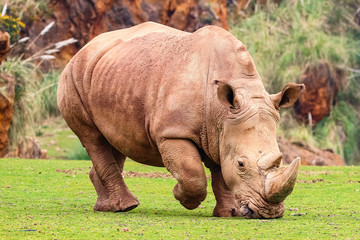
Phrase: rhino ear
[226,94]
[288,95]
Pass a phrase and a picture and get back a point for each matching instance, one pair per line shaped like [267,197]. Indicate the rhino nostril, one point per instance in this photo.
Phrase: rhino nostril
[246,211]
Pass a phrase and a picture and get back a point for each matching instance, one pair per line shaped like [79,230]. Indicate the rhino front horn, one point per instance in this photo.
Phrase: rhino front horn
[280,183]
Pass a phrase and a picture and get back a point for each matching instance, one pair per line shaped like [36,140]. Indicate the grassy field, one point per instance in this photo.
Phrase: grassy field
[59,141]
[52,199]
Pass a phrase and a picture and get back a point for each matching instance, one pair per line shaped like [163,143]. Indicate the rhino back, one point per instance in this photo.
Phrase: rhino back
[144,90]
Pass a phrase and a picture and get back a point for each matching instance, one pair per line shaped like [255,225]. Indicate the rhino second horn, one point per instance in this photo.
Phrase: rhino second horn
[271,161]
[280,183]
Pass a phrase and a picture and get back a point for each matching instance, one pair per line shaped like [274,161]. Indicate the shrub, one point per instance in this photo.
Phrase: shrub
[12,26]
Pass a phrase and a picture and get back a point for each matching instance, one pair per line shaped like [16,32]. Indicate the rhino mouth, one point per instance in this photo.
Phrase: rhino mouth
[250,210]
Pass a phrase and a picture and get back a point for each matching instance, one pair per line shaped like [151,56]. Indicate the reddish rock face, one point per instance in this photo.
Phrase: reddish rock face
[322,85]
[309,155]
[6,109]
[85,19]
[4,45]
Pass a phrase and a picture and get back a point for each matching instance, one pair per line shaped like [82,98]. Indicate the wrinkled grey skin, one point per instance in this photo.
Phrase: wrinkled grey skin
[164,97]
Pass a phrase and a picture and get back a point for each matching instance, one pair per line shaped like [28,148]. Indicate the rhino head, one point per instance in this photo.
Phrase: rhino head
[250,158]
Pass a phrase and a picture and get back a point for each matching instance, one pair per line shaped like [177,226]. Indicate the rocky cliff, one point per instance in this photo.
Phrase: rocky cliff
[85,19]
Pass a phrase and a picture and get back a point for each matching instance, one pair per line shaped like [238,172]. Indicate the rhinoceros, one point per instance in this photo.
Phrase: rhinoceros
[168,98]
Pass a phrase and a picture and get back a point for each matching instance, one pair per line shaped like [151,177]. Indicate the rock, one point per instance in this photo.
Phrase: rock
[7,94]
[29,148]
[43,154]
[4,45]
[85,19]
[322,82]
[309,155]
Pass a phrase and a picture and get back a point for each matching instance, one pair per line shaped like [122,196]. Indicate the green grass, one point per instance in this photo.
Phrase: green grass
[40,201]
[59,141]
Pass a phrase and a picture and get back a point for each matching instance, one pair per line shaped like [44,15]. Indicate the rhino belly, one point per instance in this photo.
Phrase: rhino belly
[126,129]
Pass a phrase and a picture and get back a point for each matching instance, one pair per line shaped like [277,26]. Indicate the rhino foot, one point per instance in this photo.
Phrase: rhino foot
[124,203]
[102,206]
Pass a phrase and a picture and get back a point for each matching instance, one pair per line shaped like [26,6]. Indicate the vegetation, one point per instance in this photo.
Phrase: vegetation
[59,141]
[29,10]
[12,26]
[35,97]
[284,39]
[42,199]
[35,87]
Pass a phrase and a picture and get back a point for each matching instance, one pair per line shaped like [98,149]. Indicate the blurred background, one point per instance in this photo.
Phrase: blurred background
[315,42]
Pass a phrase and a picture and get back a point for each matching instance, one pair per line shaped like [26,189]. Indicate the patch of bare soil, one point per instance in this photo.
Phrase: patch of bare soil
[312,173]
[311,181]
[129,174]
[351,181]
[74,171]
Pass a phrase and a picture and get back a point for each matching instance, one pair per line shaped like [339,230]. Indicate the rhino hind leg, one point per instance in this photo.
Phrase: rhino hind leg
[113,194]
[226,204]
[103,202]
[182,160]
[107,161]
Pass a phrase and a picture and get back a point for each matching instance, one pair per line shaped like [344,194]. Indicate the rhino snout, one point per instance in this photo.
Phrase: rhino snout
[261,210]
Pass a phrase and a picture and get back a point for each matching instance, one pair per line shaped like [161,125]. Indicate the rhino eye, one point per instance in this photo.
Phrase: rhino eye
[241,164]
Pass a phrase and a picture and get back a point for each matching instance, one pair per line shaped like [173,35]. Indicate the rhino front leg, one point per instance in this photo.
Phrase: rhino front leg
[113,194]
[226,204]
[183,161]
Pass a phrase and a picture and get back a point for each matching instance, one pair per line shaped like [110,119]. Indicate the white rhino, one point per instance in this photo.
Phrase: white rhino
[164,97]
